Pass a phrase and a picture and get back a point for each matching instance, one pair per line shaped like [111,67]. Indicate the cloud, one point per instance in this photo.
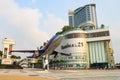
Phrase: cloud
[53,23]
[21,24]
[115,42]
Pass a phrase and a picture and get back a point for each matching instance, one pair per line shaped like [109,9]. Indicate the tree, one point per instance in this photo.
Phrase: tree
[102,26]
[14,57]
[0,56]
[62,62]
[18,57]
[59,32]
[57,63]
[54,62]
[65,28]
[51,63]
[0,53]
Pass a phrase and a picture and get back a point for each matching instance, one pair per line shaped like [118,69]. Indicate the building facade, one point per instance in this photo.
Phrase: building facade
[7,47]
[83,17]
[74,43]
[100,49]
[89,45]
[89,49]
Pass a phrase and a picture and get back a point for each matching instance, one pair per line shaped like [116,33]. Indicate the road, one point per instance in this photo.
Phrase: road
[66,74]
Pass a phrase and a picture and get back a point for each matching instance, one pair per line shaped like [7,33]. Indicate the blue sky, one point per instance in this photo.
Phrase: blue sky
[31,22]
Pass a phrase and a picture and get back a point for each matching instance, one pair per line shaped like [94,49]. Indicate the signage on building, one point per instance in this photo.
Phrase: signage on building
[68,45]
[110,51]
[6,61]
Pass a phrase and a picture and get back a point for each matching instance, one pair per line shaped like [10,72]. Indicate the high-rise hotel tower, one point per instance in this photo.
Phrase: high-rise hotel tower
[83,17]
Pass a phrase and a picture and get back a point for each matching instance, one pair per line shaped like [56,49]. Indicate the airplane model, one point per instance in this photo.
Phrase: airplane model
[48,49]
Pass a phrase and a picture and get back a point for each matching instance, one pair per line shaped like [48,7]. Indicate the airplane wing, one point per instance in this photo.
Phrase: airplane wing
[28,51]
[55,53]
[35,52]
[24,51]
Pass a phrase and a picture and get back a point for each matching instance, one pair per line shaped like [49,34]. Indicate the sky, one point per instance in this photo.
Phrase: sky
[32,22]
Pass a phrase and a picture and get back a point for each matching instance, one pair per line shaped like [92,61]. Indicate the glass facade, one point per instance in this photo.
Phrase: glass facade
[83,15]
[75,35]
[79,17]
[87,35]
[98,34]
[71,21]
[77,60]
[97,52]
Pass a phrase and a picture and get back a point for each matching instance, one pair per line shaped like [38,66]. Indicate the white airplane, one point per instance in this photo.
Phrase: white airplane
[48,49]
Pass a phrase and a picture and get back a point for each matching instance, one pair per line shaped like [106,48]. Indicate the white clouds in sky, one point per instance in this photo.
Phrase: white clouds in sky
[53,23]
[23,25]
[115,41]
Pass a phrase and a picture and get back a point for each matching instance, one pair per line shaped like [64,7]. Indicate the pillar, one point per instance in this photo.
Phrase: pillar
[46,61]
[7,47]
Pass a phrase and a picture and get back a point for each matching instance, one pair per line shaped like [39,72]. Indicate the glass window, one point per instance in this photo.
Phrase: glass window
[75,35]
[98,34]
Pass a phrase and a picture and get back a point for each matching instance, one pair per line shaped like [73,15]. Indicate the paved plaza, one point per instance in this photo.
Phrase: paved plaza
[65,74]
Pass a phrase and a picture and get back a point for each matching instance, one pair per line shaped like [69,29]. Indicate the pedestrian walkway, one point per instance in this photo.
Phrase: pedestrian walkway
[65,74]
[20,74]
[14,77]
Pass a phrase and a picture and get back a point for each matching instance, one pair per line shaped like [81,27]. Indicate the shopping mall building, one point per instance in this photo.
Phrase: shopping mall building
[89,49]
[89,45]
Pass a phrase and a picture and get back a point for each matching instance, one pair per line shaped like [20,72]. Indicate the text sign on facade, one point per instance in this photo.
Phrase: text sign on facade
[68,45]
